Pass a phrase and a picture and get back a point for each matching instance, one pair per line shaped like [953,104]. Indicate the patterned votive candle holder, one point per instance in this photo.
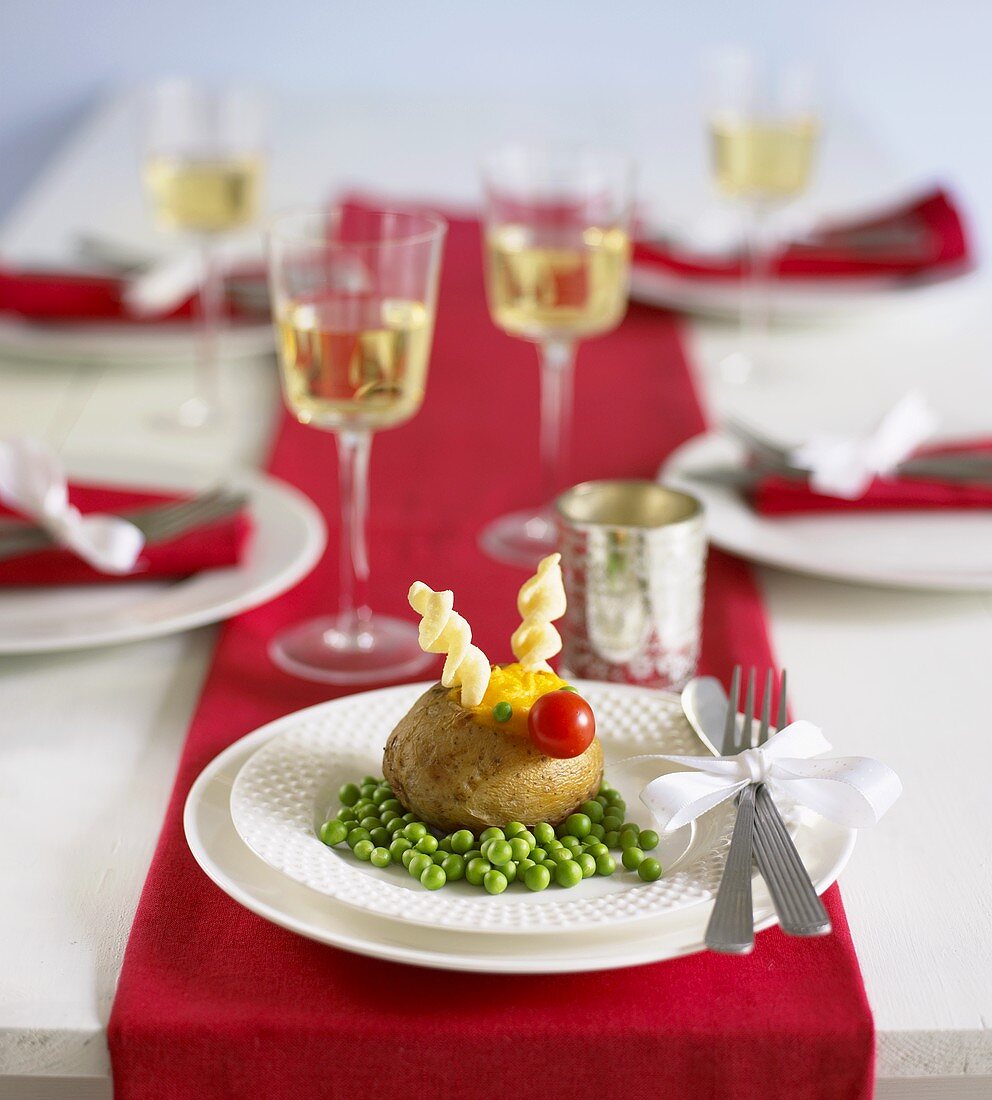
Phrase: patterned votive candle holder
[634,560]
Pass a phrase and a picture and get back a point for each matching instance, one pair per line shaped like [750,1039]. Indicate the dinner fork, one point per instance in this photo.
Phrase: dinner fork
[730,929]
[158,522]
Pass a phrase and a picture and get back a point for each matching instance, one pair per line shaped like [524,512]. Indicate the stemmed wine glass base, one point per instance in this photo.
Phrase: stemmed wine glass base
[520,538]
[362,651]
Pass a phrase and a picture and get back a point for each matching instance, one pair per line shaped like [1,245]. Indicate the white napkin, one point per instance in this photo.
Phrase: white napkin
[854,790]
[33,483]
[845,466]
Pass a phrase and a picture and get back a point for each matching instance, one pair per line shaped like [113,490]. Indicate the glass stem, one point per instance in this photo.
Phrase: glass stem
[755,307]
[211,313]
[557,371]
[353,470]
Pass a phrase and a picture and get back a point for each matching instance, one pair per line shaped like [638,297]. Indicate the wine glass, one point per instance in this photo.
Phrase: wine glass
[557,258]
[203,171]
[763,135]
[354,297]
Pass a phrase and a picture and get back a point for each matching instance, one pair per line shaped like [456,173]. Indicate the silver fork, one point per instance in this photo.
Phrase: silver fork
[800,911]
[731,925]
[158,523]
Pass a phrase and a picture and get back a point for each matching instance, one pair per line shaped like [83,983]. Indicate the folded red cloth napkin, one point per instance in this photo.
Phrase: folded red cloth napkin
[923,237]
[211,546]
[52,297]
[780,496]
[213,1001]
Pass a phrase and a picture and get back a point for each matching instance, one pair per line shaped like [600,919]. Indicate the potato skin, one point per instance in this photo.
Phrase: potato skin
[455,773]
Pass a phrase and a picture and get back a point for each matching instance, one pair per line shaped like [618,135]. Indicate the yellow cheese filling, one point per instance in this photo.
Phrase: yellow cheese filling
[517,686]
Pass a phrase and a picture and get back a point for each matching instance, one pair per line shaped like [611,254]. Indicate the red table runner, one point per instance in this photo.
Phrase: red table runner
[215,1002]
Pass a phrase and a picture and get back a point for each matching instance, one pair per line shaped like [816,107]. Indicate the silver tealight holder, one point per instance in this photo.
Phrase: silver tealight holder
[633,557]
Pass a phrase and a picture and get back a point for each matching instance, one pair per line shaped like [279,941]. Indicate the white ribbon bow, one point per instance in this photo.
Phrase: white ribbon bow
[33,483]
[852,790]
[844,466]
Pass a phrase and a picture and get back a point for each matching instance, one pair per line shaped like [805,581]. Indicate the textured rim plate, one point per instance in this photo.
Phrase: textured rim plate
[289,787]
[288,539]
[929,550]
[240,874]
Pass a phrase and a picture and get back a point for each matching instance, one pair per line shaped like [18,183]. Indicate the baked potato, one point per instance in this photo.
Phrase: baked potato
[454,771]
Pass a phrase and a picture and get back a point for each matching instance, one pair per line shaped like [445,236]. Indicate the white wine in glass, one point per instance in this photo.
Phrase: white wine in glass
[203,171]
[354,297]
[557,263]
[764,134]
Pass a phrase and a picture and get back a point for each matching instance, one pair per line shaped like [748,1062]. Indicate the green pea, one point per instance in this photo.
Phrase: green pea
[524,866]
[472,853]
[418,864]
[380,836]
[578,825]
[592,810]
[632,857]
[380,857]
[492,833]
[408,818]
[538,855]
[387,817]
[648,840]
[649,869]
[346,813]
[349,794]
[494,882]
[445,845]
[427,844]
[543,833]
[333,832]
[553,846]
[415,830]
[537,877]
[433,878]
[629,837]
[561,855]
[510,870]
[500,852]
[519,848]
[572,843]
[605,865]
[529,837]
[502,712]
[365,806]
[409,854]
[568,874]
[368,788]
[597,832]
[462,841]
[612,822]
[611,838]
[399,846]
[363,850]
[515,828]
[596,850]
[370,823]
[356,836]
[380,794]
[393,805]
[454,867]
[612,796]
[587,864]
[476,871]
[396,827]
[439,857]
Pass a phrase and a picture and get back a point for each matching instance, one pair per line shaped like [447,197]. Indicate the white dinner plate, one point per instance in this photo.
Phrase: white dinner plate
[795,302]
[236,870]
[122,345]
[287,540]
[949,550]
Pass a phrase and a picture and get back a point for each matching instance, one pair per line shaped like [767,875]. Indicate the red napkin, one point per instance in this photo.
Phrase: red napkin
[931,240]
[51,297]
[780,496]
[211,546]
[216,1002]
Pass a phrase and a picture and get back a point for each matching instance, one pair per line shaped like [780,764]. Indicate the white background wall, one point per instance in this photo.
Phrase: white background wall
[917,71]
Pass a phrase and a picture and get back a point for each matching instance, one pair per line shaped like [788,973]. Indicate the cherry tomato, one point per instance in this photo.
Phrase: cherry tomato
[561,724]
